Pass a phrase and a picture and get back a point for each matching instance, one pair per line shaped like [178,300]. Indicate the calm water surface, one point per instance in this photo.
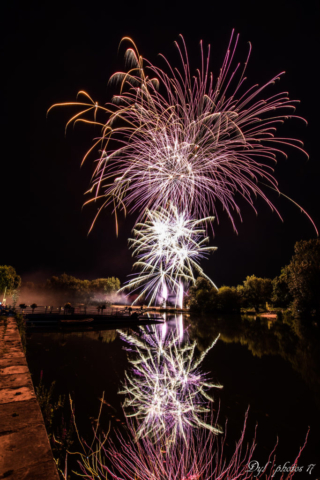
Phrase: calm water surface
[266,367]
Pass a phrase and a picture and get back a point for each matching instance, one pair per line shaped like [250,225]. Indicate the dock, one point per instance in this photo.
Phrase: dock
[60,318]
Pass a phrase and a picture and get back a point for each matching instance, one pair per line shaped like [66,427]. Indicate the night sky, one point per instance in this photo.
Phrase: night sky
[52,50]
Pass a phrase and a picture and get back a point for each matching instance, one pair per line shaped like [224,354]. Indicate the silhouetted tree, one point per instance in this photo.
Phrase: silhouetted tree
[256,291]
[9,279]
[33,307]
[228,300]
[204,297]
[281,296]
[105,285]
[68,308]
[101,307]
[304,276]
[201,295]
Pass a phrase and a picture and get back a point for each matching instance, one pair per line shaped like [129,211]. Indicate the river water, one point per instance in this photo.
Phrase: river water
[262,365]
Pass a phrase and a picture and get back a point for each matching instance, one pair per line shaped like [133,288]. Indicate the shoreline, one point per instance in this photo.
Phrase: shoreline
[25,450]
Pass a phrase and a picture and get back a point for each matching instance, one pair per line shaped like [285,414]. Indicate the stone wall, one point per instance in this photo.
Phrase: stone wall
[25,452]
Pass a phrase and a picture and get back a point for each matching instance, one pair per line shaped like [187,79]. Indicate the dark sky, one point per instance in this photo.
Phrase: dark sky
[51,50]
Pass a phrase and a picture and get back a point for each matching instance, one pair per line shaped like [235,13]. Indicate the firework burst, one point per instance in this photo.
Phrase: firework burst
[169,246]
[195,141]
[166,391]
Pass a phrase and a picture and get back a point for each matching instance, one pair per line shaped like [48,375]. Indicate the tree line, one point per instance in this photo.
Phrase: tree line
[297,287]
[66,287]
[59,289]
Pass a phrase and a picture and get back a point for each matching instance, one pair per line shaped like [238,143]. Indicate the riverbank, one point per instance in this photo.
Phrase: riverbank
[25,452]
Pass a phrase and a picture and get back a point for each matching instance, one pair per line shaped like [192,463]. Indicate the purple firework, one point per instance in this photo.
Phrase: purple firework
[193,140]
[202,457]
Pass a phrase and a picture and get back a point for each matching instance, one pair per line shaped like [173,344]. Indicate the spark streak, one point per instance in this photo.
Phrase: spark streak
[202,457]
[166,391]
[169,246]
[193,140]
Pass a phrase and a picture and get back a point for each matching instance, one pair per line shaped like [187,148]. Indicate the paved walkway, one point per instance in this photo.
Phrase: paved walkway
[25,452]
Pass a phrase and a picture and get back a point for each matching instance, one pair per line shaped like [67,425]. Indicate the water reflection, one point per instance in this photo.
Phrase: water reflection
[299,348]
[190,451]
[166,391]
[200,458]
[168,435]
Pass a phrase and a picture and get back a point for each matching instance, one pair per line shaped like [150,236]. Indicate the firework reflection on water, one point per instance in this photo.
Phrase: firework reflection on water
[166,391]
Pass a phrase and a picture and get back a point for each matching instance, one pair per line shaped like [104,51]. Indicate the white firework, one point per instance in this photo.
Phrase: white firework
[169,245]
[166,391]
